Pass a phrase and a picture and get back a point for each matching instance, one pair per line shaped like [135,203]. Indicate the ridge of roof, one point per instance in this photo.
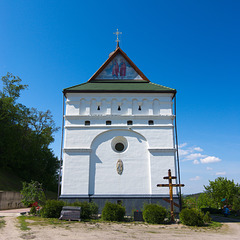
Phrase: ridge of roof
[110,58]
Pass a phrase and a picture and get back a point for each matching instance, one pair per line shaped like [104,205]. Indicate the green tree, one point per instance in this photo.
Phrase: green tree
[25,137]
[189,202]
[222,188]
[32,192]
[205,201]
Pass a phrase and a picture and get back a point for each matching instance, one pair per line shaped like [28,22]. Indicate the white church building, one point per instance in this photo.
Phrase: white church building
[119,137]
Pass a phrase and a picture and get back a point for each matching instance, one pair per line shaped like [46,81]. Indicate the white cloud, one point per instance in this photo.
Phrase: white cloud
[196,162]
[197,178]
[198,149]
[193,156]
[209,169]
[220,173]
[182,145]
[183,152]
[210,159]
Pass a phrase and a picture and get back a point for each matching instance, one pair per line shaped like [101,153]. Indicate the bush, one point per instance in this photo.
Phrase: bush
[113,212]
[87,209]
[52,209]
[154,213]
[207,218]
[192,217]
[33,210]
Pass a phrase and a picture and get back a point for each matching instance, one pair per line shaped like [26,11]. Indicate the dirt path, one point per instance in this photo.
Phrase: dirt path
[110,231]
[10,231]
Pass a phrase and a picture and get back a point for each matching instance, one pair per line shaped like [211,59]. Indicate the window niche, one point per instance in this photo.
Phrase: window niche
[87,123]
[130,122]
[108,122]
[150,122]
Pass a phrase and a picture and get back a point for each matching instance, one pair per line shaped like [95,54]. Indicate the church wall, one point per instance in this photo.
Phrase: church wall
[134,179]
[124,104]
[89,167]
[161,161]
[76,173]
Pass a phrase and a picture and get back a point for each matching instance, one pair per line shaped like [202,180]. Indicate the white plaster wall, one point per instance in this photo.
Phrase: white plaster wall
[104,178]
[161,161]
[79,121]
[150,151]
[82,104]
[75,173]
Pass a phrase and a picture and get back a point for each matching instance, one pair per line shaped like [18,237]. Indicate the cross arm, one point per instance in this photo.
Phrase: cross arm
[173,185]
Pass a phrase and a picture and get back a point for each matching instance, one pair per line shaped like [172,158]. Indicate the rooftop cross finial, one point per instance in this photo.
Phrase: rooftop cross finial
[117,33]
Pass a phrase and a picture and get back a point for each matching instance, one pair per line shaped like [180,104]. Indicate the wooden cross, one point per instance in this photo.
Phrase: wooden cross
[170,185]
[117,33]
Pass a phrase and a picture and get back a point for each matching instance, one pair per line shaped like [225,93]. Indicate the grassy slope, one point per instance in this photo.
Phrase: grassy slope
[9,181]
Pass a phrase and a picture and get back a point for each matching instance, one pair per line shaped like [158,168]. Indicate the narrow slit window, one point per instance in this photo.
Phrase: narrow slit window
[119,108]
[150,122]
[139,108]
[129,122]
[87,123]
[108,122]
[98,108]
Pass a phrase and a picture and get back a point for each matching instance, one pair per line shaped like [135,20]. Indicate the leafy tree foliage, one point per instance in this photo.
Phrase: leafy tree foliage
[32,192]
[205,201]
[25,137]
[222,188]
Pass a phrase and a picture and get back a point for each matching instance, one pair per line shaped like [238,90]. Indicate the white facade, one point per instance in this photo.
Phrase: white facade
[90,158]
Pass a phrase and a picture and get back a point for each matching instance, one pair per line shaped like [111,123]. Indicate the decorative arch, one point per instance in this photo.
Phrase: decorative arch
[104,178]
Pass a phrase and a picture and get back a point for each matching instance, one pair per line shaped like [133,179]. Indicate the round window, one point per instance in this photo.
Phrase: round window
[119,144]
[119,147]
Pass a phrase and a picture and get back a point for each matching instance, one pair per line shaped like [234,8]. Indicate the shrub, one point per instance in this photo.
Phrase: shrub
[207,218]
[33,210]
[113,212]
[87,209]
[52,209]
[154,213]
[192,217]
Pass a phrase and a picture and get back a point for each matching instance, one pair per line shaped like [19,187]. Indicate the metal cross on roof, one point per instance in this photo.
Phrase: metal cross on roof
[117,33]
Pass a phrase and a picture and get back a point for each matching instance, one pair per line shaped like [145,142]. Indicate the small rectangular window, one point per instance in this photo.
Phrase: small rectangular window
[108,122]
[129,122]
[87,123]
[150,122]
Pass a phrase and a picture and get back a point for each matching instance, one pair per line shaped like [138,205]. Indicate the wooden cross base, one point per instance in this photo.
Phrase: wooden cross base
[170,185]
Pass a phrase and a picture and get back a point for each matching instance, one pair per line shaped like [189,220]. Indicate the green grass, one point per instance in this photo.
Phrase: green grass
[23,224]
[2,222]
[39,221]
[214,225]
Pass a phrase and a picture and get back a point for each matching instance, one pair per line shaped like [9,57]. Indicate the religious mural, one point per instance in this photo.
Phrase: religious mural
[119,166]
[119,68]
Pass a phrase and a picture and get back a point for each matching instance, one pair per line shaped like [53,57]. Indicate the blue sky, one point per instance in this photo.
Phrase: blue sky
[192,46]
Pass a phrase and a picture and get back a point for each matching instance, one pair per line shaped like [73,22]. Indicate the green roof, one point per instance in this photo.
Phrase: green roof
[119,86]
